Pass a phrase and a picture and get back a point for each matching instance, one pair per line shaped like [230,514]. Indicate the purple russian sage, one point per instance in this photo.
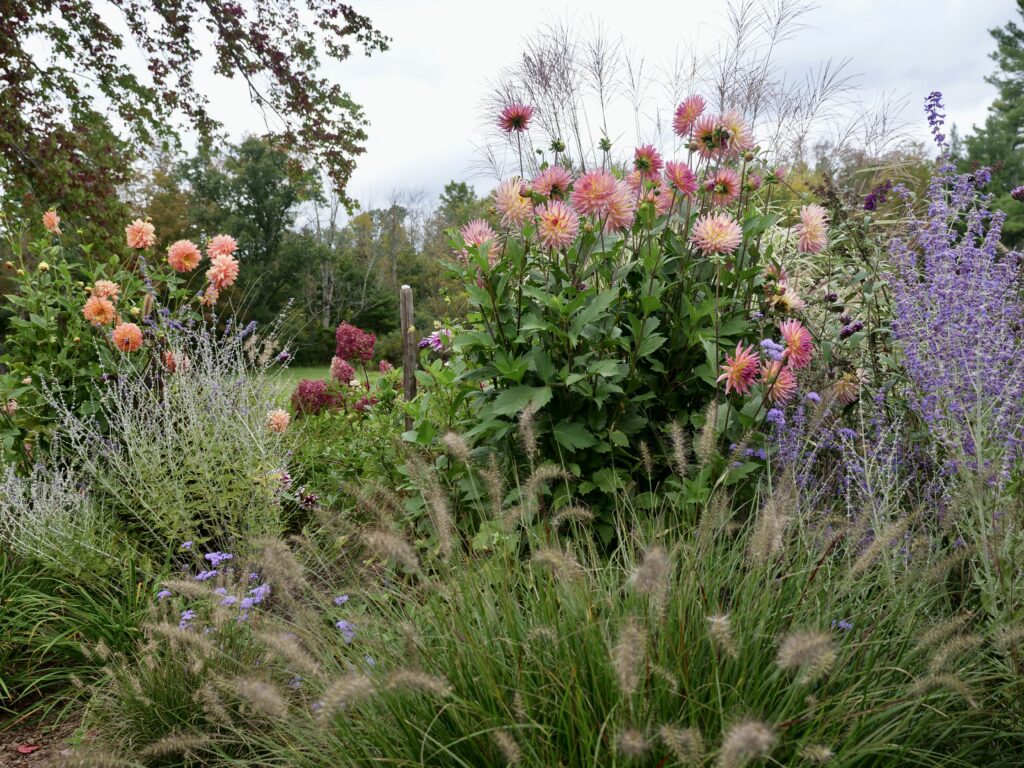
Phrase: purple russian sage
[959,316]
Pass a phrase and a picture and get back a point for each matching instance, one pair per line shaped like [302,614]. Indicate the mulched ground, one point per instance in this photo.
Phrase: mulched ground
[36,744]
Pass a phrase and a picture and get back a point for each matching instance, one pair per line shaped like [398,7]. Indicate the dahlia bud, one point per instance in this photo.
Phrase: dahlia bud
[9,264]
[831,298]
[588,227]
[605,144]
[76,340]
[748,156]
[693,146]
[43,266]
[21,273]
[135,312]
[27,381]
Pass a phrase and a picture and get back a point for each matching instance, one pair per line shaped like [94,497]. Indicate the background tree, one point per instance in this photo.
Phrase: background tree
[59,59]
[998,144]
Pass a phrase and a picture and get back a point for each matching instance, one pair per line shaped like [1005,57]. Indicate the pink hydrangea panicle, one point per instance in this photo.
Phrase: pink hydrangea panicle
[223,272]
[140,234]
[127,337]
[353,343]
[723,186]
[740,370]
[278,420]
[779,381]
[686,116]
[557,225]
[716,233]
[553,181]
[477,233]
[621,208]
[798,343]
[515,117]
[183,256]
[593,192]
[341,370]
[647,161]
[813,228]
[681,178]
[106,289]
[511,204]
[51,222]
[221,245]
[385,367]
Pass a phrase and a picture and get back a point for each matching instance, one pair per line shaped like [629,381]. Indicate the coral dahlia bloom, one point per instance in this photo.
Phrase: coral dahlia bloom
[99,310]
[798,342]
[593,192]
[739,370]
[221,245]
[140,234]
[724,186]
[621,208]
[681,178]
[553,181]
[779,381]
[51,221]
[106,289]
[515,117]
[557,224]
[183,256]
[647,161]
[223,272]
[509,201]
[478,232]
[278,420]
[127,337]
[716,233]
[686,116]
[813,228]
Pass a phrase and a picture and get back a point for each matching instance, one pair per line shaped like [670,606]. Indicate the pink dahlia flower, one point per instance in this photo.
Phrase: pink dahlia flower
[779,381]
[686,116]
[553,181]
[385,367]
[593,192]
[679,175]
[621,208]
[724,186]
[183,256]
[740,370]
[140,234]
[221,245]
[515,117]
[106,289]
[51,221]
[477,233]
[716,233]
[223,272]
[557,224]
[647,161]
[127,337]
[798,343]
[509,201]
[736,135]
[812,229]
[278,420]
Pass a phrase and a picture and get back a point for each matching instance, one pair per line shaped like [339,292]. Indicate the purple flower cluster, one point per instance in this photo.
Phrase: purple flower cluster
[877,196]
[354,343]
[436,341]
[1017,193]
[312,396]
[958,313]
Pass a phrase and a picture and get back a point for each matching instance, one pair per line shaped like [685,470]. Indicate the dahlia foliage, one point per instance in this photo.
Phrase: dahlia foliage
[612,300]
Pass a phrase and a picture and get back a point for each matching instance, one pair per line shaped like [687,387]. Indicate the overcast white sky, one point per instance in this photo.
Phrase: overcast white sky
[423,96]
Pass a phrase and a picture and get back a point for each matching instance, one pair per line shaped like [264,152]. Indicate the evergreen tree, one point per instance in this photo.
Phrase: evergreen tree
[999,144]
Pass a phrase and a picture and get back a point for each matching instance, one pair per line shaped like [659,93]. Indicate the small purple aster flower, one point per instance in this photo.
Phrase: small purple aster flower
[847,433]
[776,417]
[229,600]
[773,349]
[814,397]
[206,575]
[842,625]
[220,591]
[162,594]
[186,619]
[259,594]
[186,546]
[348,630]
[253,577]
[295,682]
[216,558]
[341,599]
[1017,193]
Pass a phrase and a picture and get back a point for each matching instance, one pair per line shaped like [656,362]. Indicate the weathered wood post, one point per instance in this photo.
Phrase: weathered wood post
[410,353]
